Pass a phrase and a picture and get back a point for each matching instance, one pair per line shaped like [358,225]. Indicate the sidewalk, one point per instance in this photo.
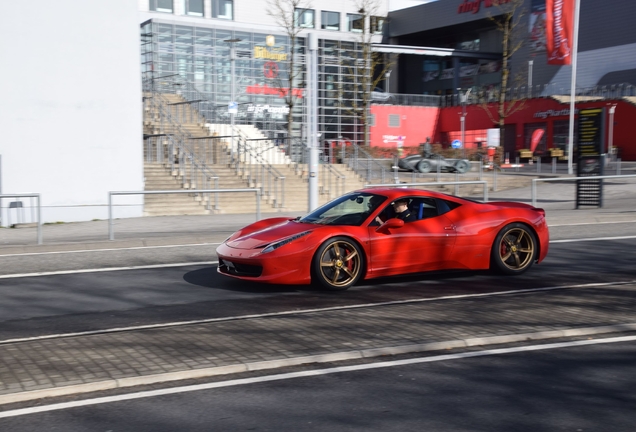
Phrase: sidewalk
[33,369]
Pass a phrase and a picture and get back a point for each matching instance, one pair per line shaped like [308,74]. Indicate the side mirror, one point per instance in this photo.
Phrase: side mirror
[392,223]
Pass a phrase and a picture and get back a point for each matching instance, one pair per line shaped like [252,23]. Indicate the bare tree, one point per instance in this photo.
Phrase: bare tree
[362,68]
[286,14]
[510,22]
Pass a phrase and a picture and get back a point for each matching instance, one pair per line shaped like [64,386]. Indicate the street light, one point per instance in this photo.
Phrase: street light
[463,100]
[530,64]
[232,96]
[387,75]
[612,110]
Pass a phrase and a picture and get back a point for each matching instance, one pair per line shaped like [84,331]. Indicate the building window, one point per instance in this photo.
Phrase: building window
[194,7]
[377,24]
[355,23]
[223,9]
[304,18]
[161,6]
[394,120]
[330,20]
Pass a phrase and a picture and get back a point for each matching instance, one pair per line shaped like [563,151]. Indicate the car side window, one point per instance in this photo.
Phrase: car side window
[424,208]
[444,206]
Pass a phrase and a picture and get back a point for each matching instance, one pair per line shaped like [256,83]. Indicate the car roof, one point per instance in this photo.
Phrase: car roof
[394,192]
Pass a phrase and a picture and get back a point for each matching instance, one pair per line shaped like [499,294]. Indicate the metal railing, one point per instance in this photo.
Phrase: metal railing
[491,94]
[38,211]
[174,146]
[484,184]
[362,163]
[566,179]
[111,229]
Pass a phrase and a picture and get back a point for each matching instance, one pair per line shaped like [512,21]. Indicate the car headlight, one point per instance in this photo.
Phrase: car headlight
[273,246]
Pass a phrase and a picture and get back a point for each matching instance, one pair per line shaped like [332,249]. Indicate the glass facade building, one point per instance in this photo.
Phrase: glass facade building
[195,60]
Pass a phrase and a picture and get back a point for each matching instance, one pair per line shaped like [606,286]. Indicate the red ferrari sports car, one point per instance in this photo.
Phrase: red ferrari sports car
[357,236]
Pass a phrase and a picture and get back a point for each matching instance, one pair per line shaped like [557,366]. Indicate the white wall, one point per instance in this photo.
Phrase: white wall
[70,106]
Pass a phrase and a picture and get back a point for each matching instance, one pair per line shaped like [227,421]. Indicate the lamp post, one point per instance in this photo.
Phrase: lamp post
[612,110]
[387,75]
[462,119]
[530,64]
[232,96]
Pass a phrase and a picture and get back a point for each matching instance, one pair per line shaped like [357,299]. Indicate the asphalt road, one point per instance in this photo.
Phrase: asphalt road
[59,303]
[579,388]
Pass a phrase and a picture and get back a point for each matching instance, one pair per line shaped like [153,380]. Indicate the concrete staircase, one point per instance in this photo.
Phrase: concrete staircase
[159,176]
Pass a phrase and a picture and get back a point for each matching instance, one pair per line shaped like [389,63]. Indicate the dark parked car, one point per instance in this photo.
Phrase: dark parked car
[423,164]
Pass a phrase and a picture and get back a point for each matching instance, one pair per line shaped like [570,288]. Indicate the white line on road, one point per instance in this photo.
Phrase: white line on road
[108,269]
[593,239]
[592,223]
[109,250]
[306,311]
[310,373]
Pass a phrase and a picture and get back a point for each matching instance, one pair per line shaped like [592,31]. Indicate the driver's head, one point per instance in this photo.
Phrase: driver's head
[400,205]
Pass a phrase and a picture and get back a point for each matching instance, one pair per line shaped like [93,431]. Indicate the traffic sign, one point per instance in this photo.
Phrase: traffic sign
[456,144]
[232,107]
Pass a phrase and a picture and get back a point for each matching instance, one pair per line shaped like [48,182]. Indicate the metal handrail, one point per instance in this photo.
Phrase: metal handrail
[111,229]
[535,181]
[353,162]
[191,169]
[39,210]
[253,165]
[484,183]
[340,180]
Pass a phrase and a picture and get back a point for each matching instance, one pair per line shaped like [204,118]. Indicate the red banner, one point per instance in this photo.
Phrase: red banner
[559,19]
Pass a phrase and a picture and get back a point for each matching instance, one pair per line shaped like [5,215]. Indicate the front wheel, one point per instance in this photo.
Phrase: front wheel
[424,166]
[338,264]
[461,166]
[514,250]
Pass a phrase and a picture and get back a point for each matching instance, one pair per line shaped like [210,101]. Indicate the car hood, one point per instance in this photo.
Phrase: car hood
[267,235]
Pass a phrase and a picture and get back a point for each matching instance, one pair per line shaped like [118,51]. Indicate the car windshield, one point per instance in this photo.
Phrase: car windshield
[351,209]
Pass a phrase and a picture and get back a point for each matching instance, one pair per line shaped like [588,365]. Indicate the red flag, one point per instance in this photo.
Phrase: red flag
[559,19]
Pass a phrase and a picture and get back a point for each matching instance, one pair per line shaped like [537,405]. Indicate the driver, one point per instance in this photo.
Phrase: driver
[402,210]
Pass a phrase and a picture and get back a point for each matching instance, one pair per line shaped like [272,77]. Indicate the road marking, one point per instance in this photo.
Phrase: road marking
[593,239]
[306,311]
[109,269]
[592,223]
[109,250]
[311,373]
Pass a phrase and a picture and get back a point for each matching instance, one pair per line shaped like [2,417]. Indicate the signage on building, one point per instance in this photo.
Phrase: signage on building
[267,90]
[264,53]
[271,109]
[270,69]
[474,6]
[554,113]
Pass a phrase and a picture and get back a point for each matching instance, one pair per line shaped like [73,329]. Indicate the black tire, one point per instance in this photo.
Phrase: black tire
[337,264]
[424,166]
[514,250]
[461,166]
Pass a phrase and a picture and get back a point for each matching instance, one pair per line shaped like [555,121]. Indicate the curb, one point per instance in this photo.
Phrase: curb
[112,384]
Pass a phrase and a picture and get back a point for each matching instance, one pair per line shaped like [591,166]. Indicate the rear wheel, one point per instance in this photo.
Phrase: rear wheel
[424,166]
[514,250]
[338,264]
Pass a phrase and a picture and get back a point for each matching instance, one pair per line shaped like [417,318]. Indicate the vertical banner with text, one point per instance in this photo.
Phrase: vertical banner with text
[559,18]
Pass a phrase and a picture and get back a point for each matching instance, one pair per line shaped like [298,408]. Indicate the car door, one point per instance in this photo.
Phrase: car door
[422,245]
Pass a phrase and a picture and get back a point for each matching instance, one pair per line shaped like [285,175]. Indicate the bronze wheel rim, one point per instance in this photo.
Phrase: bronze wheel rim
[340,264]
[516,249]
